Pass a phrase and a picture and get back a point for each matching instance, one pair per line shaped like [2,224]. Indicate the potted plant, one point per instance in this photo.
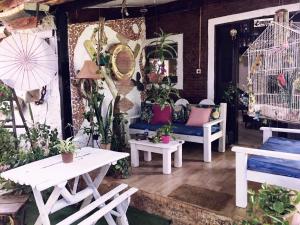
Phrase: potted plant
[272,205]
[67,149]
[165,133]
[100,125]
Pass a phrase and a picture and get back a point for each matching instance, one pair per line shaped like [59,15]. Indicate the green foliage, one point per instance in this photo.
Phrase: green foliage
[66,146]
[230,94]
[166,130]
[18,152]
[121,169]
[8,145]
[41,144]
[155,139]
[163,47]
[99,125]
[162,94]
[269,205]
[42,139]
[119,133]
[5,96]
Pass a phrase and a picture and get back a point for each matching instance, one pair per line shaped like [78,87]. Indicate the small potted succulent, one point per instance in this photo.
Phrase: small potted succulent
[67,149]
[165,133]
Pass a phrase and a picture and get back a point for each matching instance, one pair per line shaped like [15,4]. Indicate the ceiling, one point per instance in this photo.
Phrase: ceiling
[131,3]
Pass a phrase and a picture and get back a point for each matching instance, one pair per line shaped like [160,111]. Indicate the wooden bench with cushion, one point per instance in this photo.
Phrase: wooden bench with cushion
[206,134]
[276,162]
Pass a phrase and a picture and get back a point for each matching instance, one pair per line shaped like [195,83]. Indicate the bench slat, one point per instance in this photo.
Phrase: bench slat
[106,209]
[76,216]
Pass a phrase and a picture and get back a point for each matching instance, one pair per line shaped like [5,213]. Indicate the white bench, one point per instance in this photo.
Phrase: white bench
[243,175]
[207,138]
[118,201]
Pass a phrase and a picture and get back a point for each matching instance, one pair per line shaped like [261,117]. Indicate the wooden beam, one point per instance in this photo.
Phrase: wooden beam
[23,10]
[92,14]
[64,73]
[79,4]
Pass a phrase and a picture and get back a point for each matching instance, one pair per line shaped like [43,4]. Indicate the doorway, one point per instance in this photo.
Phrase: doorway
[232,41]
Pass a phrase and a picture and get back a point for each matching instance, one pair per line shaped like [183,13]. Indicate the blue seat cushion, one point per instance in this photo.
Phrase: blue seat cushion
[283,167]
[178,128]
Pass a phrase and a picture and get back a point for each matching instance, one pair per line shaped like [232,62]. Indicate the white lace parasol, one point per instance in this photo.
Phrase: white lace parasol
[27,62]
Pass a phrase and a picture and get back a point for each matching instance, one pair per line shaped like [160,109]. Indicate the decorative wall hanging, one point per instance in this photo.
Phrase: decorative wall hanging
[123,61]
[79,33]
[27,62]
[274,66]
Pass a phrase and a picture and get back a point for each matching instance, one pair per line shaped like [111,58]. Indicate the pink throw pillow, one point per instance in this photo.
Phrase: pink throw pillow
[198,116]
[161,115]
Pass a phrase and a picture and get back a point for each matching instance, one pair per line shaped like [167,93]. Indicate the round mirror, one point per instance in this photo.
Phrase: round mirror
[123,62]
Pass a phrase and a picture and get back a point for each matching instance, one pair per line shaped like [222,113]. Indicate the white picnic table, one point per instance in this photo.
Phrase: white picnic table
[52,172]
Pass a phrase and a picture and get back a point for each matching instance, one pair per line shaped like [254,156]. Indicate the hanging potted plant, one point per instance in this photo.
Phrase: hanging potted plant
[66,149]
[165,133]
[159,89]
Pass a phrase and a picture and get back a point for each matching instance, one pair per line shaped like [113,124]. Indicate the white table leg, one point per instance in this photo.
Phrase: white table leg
[95,185]
[102,172]
[178,157]
[134,155]
[167,162]
[122,209]
[43,218]
[46,208]
[147,156]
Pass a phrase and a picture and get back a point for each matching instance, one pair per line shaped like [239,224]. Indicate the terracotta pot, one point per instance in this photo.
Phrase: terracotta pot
[105,146]
[166,139]
[67,157]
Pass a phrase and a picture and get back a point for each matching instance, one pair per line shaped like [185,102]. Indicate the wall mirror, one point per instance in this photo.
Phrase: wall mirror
[123,62]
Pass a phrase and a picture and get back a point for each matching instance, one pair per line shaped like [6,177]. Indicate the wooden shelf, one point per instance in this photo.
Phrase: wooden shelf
[24,10]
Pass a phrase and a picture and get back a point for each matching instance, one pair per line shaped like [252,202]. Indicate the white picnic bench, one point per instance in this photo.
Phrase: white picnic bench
[52,172]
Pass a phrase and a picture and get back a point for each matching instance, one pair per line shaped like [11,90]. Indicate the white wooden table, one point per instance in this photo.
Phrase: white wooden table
[52,172]
[164,149]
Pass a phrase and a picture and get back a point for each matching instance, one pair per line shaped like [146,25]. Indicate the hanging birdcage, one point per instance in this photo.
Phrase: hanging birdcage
[274,73]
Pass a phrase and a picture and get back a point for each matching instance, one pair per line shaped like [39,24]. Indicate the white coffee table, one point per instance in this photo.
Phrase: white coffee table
[165,149]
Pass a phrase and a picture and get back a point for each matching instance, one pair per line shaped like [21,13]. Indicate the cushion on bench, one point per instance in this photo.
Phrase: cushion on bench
[283,167]
[178,128]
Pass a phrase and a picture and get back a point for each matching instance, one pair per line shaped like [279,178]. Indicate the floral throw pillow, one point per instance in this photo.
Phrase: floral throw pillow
[146,112]
[180,114]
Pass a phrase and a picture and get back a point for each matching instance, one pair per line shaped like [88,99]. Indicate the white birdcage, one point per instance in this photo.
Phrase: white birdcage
[274,72]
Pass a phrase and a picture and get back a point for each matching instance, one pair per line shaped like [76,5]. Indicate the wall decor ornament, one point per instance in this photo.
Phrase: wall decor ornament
[113,32]
[27,62]
[123,61]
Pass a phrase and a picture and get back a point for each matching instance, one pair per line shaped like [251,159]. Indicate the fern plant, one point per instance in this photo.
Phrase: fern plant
[66,146]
